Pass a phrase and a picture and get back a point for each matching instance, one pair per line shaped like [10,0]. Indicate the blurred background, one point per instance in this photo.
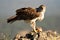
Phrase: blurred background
[8,8]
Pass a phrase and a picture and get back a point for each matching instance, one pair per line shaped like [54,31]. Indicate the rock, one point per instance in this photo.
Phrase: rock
[40,35]
[29,36]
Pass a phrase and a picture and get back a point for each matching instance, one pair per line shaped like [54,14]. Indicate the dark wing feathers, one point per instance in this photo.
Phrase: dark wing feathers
[28,10]
[27,13]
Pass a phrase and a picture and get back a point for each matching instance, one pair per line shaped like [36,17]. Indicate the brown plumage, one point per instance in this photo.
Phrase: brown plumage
[29,14]
[24,14]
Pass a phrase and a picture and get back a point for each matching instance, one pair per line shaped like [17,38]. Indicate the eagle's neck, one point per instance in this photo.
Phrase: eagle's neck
[42,12]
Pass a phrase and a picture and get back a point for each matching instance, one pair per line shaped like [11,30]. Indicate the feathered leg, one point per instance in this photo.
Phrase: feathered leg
[33,25]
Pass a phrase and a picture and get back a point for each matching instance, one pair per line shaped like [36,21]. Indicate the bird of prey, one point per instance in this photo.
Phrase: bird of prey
[29,15]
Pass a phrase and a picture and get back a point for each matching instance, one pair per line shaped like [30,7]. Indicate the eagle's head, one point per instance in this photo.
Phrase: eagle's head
[41,8]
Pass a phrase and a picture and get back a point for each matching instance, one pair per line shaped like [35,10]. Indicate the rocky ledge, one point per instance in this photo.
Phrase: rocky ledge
[40,35]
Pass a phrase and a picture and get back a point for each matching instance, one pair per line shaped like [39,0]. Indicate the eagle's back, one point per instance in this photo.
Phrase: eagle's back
[27,13]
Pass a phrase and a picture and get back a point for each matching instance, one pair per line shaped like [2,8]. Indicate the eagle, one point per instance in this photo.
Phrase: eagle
[29,15]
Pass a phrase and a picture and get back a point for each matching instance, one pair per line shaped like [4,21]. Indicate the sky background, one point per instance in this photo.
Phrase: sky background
[8,7]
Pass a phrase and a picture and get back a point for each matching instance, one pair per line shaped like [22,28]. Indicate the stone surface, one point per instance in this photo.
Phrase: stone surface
[40,35]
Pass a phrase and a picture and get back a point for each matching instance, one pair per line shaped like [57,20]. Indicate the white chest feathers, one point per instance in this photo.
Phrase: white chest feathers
[41,17]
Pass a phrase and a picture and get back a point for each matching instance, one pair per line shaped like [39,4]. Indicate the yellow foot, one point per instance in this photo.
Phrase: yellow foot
[38,29]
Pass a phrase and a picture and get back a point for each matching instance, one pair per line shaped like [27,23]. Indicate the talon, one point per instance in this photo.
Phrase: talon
[35,31]
[39,29]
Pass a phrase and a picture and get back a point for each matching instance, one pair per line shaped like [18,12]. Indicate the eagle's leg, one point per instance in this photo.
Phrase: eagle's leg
[33,25]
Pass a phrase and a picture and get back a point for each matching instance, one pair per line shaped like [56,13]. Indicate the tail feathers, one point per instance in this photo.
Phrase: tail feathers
[11,19]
